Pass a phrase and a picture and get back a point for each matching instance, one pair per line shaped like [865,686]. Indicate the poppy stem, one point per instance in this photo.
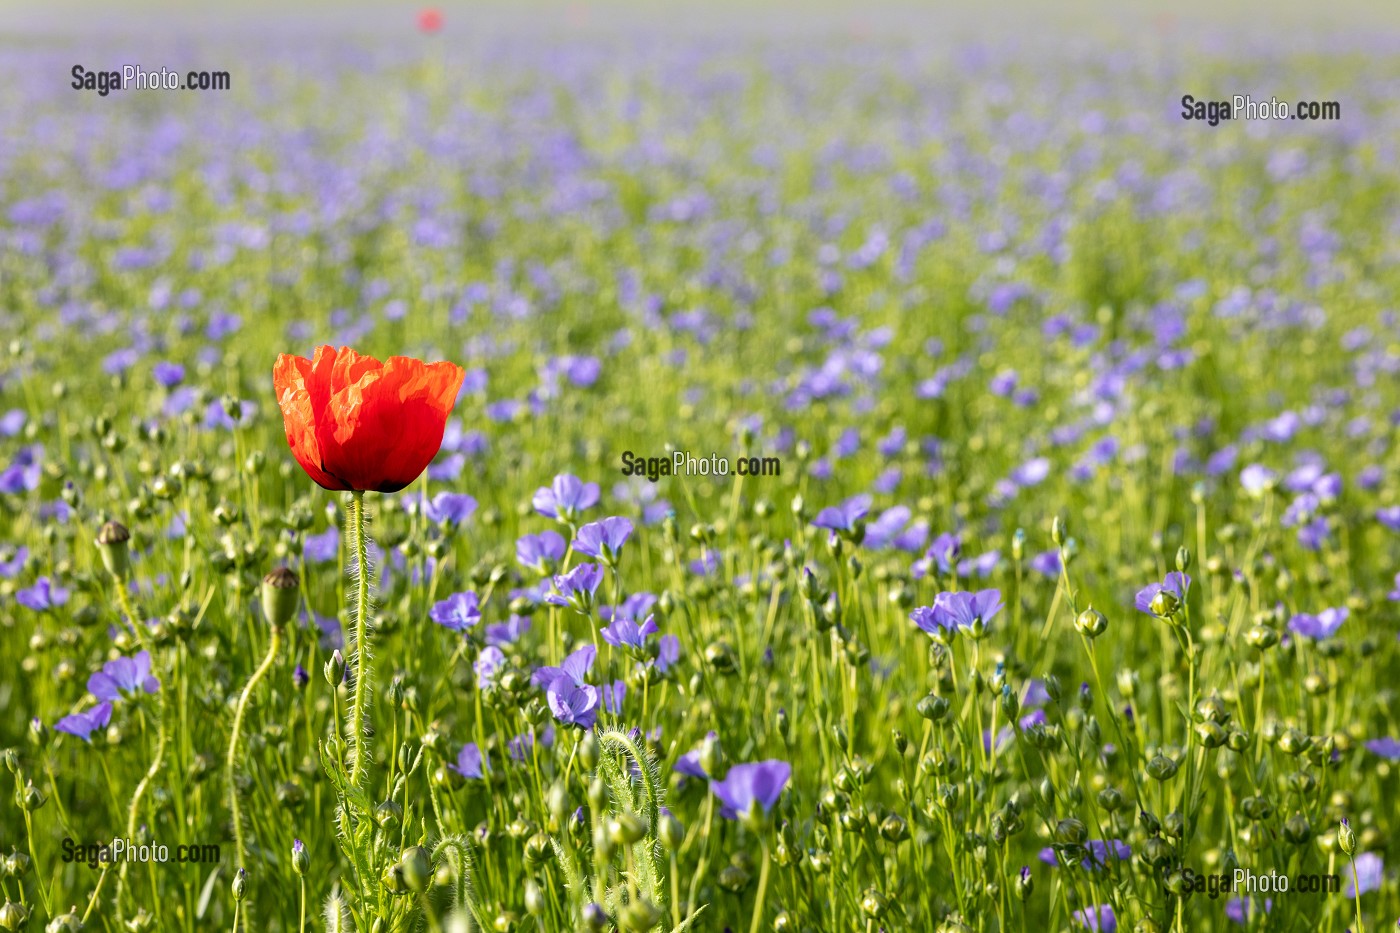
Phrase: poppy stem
[240,843]
[357,708]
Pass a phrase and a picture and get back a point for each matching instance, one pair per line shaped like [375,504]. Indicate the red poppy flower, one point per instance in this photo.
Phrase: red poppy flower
[356,423]
[430,19]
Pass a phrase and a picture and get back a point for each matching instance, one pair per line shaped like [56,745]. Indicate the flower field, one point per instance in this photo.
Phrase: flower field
[487,475]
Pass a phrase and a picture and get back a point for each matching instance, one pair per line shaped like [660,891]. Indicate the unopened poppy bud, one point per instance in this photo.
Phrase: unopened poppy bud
[240,884]
[597,794]
[1091,623]
[671,831]
[1261,636]
[1057,530]
[417,865]
[279,596]
[933,707]
[301,859]
[388,814]
[113,541]
[784,723]
[626,829]
[588,751]
[393,879]
[1346,838]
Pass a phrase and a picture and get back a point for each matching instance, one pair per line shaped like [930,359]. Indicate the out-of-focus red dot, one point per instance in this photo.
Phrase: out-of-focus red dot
[430,19]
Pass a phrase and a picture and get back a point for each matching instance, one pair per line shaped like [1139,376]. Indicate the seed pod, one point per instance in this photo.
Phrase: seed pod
[279,596]
[13,917]
[1091,623]
[1298,830]
[1071,832]
[112,543]
[933,707]
[1161,768]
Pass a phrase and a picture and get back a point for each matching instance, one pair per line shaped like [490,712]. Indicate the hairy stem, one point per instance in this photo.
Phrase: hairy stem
[273,647]
[357,708]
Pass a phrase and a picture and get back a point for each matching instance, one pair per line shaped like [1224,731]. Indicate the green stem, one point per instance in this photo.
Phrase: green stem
[273,647]
[757,920]
[357,708]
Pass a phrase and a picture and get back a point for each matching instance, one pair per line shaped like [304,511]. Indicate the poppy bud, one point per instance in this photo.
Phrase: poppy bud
[1057,530]
[671,831]
[388,814]
[112,543]
[393,879]
[626,829]
[588,751]
[279,596]
[417,865]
